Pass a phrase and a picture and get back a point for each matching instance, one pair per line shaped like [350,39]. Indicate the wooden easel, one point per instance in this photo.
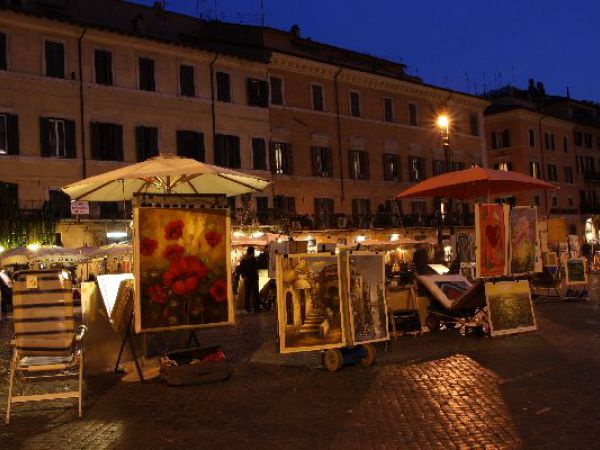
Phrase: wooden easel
[127,338]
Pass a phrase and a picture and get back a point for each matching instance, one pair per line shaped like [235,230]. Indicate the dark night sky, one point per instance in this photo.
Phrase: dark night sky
[467,45]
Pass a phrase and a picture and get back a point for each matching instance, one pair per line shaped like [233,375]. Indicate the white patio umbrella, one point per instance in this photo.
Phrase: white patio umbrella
[55,254]
[166,174]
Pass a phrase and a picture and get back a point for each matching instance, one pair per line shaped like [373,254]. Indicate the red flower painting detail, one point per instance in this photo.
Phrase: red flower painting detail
[174,230]
[148,246]
[184,274]
[218,291]
[157,294]
[213,238]
[173,252]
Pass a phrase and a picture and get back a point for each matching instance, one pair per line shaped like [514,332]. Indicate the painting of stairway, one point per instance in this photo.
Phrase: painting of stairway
[308,300]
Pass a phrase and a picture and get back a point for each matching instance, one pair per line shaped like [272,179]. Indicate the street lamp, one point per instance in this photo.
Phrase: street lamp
[443,122]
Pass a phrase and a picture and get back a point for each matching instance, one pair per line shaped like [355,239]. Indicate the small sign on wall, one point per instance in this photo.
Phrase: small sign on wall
[31,282]
[80,207]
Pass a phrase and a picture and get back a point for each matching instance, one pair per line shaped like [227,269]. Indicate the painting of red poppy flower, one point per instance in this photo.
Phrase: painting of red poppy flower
[182,269]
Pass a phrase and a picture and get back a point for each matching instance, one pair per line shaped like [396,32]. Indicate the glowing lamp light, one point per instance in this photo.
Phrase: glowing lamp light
[394,237]
[361,238]
[238,234]
[33,247]
[257,234]
[443,121]
[116,234]
[2,248]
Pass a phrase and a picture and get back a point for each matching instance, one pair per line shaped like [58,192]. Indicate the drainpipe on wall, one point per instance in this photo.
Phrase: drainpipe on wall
[543,163]
[339,130]
[212,101]
[82,105]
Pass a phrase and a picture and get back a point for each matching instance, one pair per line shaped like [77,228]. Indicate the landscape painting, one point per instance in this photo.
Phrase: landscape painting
[309,303]
[523,240]
[368,309]
[181,268]
[491,229]
[509,307]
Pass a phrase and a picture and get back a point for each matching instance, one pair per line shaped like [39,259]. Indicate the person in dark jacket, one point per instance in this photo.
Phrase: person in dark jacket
[248,270]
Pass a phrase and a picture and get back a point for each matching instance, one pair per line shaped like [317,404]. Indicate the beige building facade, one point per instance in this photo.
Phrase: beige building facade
[339,137]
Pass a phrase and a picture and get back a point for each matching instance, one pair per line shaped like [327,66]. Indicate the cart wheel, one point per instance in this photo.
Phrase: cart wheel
[433,323]
[333,360]
[369,359]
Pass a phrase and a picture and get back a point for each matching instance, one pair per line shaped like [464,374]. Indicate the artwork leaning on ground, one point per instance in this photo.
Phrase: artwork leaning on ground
[491,229]
[368,309]
[523,240]
[576,271]
[181,268]
[509,307]
[557,230]
[309,302]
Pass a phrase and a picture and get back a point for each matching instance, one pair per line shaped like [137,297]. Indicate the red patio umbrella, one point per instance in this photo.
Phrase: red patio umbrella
[475,182]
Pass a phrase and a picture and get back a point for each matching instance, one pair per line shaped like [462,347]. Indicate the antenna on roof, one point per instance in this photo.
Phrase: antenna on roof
[262,13]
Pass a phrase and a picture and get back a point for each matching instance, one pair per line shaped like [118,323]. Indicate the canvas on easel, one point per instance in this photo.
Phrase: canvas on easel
[367,302]
[523,240]
[309,302]
[182,268]
[491,237]
[576,273]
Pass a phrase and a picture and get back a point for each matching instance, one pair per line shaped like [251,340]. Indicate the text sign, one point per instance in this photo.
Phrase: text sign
[80,207]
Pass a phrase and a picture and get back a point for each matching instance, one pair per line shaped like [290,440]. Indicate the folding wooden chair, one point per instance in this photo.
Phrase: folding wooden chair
[45,344]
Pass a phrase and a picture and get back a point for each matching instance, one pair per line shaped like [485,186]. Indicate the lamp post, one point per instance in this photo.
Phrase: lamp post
[443,123]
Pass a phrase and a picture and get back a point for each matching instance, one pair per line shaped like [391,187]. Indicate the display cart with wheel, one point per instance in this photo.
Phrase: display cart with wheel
[336,358]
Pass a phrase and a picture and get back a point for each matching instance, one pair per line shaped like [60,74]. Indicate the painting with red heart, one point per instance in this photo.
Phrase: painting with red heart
[491,248]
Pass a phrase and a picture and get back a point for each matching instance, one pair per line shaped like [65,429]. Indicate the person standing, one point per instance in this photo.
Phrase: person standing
[248,269]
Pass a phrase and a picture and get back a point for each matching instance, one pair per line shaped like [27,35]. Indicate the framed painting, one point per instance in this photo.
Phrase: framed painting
[523,240]
[557,230]
[182,269]
[463,247]
[550,259]
[366,291]
[576,271]
[509,307]
[491,230]
[309,302]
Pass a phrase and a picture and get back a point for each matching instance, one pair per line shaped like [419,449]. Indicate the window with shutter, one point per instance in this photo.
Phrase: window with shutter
[354,104]
[322,163]
[223,87]
[3,52]
[416,168]
[359,164]
[388,109]
[257,92]
[474,122]
[3,134]
[55,59]
[318,103]
[276,91]
[187,84]
[190,144]
[107,141]
[146,74]
[391,169]
[12,135]
[227,151]
[505,138]
[103,67]
[281,158]
[413,119]
[53,136]
[259,154]
[324,212]
[146,139]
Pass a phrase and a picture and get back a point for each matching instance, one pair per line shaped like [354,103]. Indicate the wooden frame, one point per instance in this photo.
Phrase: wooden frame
[514,299]
[190,292]
[479,241]
[291,280]
[348,283]
[511,235]
[580,262]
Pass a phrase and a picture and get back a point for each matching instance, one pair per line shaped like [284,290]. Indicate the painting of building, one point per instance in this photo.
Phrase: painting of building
[309,302]
[368,310]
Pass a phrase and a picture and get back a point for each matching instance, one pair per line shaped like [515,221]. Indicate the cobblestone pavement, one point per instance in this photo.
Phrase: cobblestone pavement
[438,390]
